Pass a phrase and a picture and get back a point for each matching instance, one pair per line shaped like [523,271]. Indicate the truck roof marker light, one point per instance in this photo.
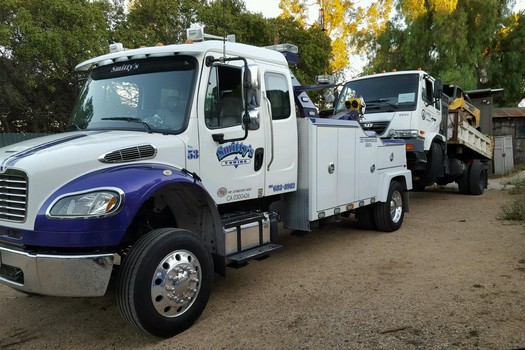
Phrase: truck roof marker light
[409,147]
[337,210]
[197,34]
[361,203]
[116,47]
[421,132]
[321,215]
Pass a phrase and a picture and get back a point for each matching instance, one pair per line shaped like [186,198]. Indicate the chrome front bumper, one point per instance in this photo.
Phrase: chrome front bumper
[57,275]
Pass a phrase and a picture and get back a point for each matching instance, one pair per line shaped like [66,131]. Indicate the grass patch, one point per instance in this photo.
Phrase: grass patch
[514,211]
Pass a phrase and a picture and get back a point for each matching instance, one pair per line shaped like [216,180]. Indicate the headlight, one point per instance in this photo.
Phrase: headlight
[88,204]
[403,133]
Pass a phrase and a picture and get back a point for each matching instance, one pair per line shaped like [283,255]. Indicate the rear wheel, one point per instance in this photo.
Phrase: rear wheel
[464,180]
[389,215]
[477,178]
[165,282]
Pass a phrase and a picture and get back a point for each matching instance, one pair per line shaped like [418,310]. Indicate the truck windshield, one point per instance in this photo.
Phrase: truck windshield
[150,95]
[383,94]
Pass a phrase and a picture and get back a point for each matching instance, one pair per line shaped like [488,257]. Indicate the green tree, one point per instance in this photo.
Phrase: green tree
[507,67]
[150,22]
[40,44]
[343,22]
[449,38]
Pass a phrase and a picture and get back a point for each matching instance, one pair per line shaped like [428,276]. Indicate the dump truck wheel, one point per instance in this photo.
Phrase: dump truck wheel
[464,180]
[477,178]
[165,282]
[434,164]
[389,215]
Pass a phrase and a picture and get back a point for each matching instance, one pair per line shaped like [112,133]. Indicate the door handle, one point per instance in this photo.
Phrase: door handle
[258,159]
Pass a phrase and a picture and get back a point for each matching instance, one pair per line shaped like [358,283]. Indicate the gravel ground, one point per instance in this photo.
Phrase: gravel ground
[453,277]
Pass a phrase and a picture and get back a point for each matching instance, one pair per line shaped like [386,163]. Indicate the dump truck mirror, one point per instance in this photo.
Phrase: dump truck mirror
[438,88]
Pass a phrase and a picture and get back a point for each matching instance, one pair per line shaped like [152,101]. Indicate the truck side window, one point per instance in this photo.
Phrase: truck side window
[427,94]
[224,106]
[427,91]
[278,94]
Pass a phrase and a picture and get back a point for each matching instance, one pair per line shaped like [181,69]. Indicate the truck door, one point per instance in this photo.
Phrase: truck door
[278,117]
[231,170]
[430,109]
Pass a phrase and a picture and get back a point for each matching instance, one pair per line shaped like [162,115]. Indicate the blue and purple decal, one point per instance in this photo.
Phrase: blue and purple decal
[138,182]
[243,154]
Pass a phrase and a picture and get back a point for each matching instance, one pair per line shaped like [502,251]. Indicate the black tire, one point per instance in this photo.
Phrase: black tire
[389,215]
[434,165]
[165,282]
[477,178]
[365,218]
[464,180]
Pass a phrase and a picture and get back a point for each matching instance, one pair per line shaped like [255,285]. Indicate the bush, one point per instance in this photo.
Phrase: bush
[514,211]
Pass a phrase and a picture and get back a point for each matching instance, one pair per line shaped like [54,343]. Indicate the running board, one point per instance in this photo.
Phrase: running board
[260,252]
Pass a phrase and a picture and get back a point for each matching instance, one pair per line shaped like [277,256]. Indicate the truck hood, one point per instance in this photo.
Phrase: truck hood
[77,148]
[50,162]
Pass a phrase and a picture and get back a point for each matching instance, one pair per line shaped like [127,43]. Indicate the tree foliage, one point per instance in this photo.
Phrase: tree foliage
[40,44]
[42,41]
[507,68]
[450,38]
[343,21]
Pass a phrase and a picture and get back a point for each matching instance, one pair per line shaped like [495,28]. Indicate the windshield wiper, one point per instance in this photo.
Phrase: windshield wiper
[132,120]
[381,100]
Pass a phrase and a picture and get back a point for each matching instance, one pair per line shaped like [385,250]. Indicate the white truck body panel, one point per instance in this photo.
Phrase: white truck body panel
[343,169]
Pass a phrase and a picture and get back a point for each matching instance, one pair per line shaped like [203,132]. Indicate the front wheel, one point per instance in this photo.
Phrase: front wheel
[165,282]
[477,178]
[389,215]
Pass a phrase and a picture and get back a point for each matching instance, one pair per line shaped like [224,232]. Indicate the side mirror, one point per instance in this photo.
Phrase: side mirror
[253,86]
[255,120]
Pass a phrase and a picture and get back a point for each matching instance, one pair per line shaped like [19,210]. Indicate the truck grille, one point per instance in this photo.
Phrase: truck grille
[129,154]
[13,196]
[378,127]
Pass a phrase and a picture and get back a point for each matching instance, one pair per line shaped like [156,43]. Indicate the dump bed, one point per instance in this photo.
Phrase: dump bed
[465,138]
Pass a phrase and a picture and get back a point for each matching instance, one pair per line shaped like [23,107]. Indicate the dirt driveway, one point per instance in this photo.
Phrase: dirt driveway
[453,277]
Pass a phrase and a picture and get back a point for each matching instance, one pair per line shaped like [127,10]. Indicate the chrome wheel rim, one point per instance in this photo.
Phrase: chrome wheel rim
[396,207]
[176,283]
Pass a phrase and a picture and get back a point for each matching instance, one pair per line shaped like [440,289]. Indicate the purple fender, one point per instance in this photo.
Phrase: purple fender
[137,181]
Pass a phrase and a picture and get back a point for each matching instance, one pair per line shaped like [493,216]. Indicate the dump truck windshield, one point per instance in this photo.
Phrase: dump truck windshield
[388,94]
[152,95]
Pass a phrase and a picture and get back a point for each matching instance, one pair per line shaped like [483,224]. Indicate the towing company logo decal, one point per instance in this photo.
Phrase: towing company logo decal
[242,153]
[125,68]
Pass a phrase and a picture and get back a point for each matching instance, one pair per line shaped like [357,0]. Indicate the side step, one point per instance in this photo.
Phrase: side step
[242,258]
